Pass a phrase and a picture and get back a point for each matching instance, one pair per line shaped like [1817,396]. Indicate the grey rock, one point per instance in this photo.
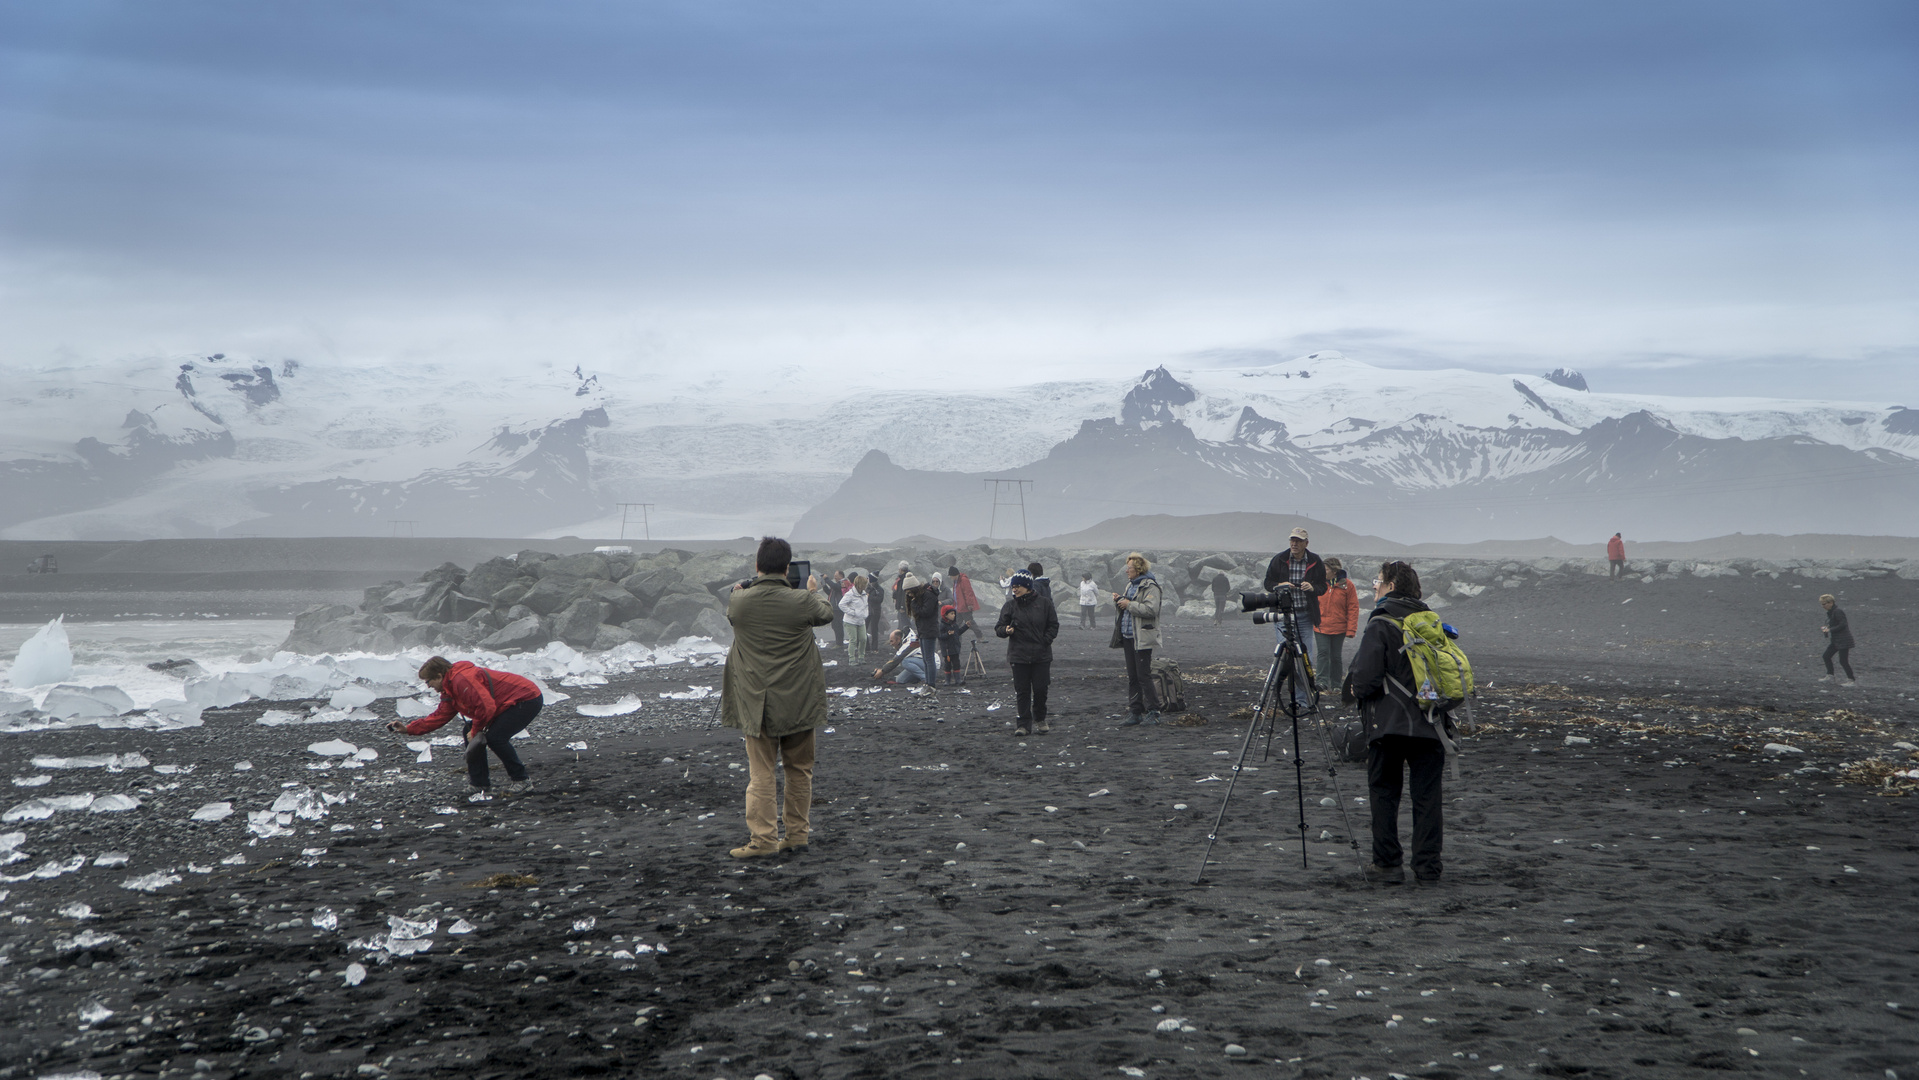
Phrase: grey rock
[510,593]
[433,606]
[680,607]
[520,611]
[405,598]
[611,637]
[589,564]
[488,578]
[650,585]
[319,615]
[620,604]
[712,624]
[372,598]
[554,592]
[579,622]
[647,630]
[524,633]
[446,573]
[461,607]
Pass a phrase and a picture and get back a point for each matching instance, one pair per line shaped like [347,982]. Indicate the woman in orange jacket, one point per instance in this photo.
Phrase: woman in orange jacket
[1338,620]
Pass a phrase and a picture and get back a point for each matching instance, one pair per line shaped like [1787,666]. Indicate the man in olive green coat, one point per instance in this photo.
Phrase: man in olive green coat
[774,692]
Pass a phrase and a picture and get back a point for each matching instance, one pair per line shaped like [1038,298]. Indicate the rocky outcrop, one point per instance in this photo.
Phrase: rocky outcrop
[532,598]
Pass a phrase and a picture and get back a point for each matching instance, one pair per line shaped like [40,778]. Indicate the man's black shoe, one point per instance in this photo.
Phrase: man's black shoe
[1385,875]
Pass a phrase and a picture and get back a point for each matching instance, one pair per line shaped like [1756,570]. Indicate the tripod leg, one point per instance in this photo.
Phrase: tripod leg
[1245,747]
[1299,759]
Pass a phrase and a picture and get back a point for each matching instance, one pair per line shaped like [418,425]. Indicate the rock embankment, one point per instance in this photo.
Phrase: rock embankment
[601,600]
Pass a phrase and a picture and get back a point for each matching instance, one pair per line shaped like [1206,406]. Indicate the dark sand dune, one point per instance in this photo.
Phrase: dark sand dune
[1668,899]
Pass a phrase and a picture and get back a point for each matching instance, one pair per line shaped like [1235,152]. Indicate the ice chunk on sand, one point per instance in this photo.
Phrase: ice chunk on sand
[1782,748]
[351,697]
[31,781]
[153,882]
[461,927]
[46,657]
[333,748]
[691,693]
[110,858]
[79,702]
[213,811]
[111,762]
[41,809]
[630,703]
[76,910]
[355,974]
[266,824]
[279,718]
[113,804]
[326,919]
[93,1012]
[301,802]
[413,708]
[401,929]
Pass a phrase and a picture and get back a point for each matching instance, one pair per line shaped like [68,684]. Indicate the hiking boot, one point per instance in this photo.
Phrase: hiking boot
[754,850]
[1427,882]
[513,789]
[1019,732]
[1386,875]
[1152,719]
[794,843]
[1044,727]
[1133,720]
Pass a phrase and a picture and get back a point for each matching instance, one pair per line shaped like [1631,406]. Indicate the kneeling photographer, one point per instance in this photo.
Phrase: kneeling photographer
[1400,737]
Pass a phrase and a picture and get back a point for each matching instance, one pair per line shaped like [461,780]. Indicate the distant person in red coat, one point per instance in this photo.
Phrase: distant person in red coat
[965,600]
[497,705]
[1616,555]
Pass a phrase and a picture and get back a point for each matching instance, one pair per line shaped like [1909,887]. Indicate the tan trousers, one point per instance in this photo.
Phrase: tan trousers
[763,756]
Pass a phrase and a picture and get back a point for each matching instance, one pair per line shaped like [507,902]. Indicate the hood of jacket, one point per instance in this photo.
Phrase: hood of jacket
[1399,606]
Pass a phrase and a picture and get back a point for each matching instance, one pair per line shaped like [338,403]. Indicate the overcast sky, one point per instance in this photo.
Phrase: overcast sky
[1684,198]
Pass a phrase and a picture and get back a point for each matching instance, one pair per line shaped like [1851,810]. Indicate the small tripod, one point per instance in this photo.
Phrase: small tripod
[973,661]
[1291,671]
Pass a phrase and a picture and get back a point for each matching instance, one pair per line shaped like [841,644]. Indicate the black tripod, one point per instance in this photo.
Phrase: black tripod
[1288,680]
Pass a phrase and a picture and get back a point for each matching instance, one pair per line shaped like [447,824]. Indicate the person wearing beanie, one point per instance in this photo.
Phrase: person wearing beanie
[1029,624]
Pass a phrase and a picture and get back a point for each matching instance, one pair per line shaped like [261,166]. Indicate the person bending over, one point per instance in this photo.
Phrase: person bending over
[907,660]
[497,705]
[1399,735]
[774,692]
[1029,624]
[1838,638]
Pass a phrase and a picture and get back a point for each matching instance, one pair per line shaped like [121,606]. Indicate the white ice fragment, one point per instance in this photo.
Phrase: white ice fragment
[213,811]
[691,693]
[110,858]
[576,746]
[586,924]
[41,809]
[301,802]
[112,762]
[461,927]
[478,797]
[446,740]
[412,708]
[1781,748]
[32,781]
[355,974]
[234,860]
[153,882]
[44,658]
[93,1012]
[332,748]
[351,697]
[76,910]
[11,841]
[1578,740]
[326,919]
[399,929]
[266,824]
[242,766]
[366,753]
[1168,1024]
[77,702]
[279,718]
[85,939]
[113,804]
[628,703]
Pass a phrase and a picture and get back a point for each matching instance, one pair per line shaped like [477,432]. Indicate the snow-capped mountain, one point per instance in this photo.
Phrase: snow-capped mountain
[225,445]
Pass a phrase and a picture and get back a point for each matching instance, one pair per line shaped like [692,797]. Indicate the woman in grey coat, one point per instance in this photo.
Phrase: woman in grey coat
[1137,631]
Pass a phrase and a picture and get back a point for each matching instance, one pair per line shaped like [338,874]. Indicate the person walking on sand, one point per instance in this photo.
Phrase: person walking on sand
[965,600]
[773,691]
[1137,632]
[1399,735]
[853,613]
[1088,603]
[497,705]
[1029,624]
[1838,638]
[1338,620]
[1222,588]
[875,609]
[1615,557]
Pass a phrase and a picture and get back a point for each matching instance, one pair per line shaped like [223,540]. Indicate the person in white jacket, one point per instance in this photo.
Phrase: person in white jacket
[853,604]
[1088,603]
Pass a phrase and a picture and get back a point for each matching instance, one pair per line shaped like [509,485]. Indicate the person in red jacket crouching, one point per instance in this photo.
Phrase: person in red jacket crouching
[497,705]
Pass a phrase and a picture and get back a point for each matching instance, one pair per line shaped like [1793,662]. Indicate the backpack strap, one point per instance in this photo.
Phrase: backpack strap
[1438,724]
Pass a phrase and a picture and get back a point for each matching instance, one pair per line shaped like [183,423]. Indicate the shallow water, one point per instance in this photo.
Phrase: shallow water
[117,653]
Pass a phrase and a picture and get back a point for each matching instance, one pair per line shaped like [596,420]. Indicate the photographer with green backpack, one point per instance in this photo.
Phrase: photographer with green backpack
[1406,683]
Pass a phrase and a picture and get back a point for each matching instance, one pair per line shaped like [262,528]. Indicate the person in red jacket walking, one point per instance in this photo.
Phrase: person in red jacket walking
[1338,620]
[965,601]
[1616,557]
[497,705]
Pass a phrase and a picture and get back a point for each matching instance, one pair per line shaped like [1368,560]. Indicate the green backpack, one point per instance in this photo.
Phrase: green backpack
[1442,676]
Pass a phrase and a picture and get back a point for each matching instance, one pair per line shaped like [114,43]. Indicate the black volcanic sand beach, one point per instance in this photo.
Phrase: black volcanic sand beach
[1668,899]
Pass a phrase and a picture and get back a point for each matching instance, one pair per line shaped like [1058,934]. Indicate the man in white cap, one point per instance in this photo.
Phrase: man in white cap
[1300,578]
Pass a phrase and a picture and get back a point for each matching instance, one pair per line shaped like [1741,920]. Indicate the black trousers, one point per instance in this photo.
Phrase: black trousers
[929,641]
[1389,757]
[507,723]
[1140,695]
[1029,689]
[1842,654]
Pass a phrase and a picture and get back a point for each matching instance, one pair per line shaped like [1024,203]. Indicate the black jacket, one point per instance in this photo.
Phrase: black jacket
[924,603]
[1385,708]
[1839,632]
[1315,579]
[1029,624]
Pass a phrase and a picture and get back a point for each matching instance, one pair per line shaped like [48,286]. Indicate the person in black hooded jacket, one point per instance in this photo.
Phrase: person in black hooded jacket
[1399,737]
[1029,624]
